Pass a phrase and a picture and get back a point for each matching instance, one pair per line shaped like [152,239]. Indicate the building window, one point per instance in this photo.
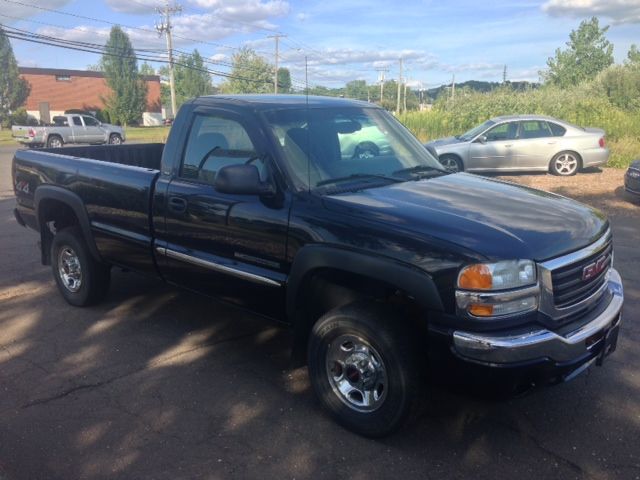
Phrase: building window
[63,78]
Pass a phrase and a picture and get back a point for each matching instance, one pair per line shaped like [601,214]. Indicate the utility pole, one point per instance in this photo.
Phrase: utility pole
[453,88]
[165,27]
[381,72]
[504,75]
[277,37]
[404,99]
[399,88]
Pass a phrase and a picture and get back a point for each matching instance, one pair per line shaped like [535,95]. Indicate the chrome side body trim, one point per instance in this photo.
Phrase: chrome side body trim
[545,269]
[251,277]
[541,343]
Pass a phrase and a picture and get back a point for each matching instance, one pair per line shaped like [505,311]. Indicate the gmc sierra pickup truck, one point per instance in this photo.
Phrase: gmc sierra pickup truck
[385,265]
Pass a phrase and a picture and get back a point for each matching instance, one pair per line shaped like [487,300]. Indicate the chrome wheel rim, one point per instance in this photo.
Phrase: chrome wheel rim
[115,140]
[356,373]
[69,269]
[566,164]
[55,143]
[450,164]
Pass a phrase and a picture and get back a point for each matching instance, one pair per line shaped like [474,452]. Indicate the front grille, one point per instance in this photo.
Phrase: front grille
[569,285]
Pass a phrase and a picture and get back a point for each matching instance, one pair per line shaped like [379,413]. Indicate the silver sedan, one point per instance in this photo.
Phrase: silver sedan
[523,143]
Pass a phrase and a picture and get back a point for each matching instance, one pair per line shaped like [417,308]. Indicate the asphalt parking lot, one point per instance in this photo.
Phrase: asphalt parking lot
[157,383]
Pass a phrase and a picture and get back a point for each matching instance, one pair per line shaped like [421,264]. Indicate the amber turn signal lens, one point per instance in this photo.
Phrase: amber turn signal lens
[476,277]
[481,310]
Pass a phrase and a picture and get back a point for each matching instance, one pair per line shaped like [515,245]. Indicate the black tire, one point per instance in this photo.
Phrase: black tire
[397,384]
[451,163]
[91,284]
[54,141]
[565,164]
[115,139]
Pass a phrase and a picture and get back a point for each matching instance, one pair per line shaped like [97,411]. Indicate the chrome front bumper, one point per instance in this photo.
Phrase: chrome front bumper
[542,343]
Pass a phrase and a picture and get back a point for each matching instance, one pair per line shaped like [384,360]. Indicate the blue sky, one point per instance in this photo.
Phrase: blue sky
[342,39]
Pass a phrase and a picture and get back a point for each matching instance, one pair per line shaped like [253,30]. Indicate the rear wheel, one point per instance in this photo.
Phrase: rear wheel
[451,163]
[80,278]
[54,141]
[362,369]
[115,139]
[565,164]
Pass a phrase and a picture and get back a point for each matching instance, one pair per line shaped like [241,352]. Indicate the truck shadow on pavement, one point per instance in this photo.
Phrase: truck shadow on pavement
[159,383]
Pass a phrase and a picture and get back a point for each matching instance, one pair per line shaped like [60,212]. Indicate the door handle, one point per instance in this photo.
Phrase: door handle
[509,145]
[177,204]
[551,143]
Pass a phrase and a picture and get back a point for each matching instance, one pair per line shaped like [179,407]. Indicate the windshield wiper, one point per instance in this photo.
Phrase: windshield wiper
[356,176]
[421,171]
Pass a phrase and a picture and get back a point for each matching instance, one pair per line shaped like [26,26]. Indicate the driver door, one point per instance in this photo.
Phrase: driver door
[497,152]
[225,245]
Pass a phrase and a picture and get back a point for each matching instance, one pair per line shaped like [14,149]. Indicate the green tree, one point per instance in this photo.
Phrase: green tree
[250,74]
[621,85]
[284,80]
[633,56]
[588,53]
[192,78]
[129,92]
[356,89]
[14,90]
[146,69]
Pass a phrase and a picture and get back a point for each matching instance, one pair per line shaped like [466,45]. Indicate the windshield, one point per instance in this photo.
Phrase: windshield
[471,134]
[360,145]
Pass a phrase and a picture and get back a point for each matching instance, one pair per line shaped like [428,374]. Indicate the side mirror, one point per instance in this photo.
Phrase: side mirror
[482,139]
[242,179]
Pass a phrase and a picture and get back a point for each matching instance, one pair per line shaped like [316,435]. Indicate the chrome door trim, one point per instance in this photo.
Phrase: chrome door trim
[251,277]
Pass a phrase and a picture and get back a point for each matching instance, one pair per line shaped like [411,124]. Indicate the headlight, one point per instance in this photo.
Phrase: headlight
[497,289]
[497,276]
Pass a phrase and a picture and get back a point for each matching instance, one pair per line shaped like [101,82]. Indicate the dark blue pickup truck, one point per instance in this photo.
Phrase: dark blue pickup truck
[329,215]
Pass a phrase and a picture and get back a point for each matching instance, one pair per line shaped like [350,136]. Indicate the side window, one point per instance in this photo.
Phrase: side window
[90,121]
[534,129]
[77,122]
[557,130]
[504,131]
[213,143]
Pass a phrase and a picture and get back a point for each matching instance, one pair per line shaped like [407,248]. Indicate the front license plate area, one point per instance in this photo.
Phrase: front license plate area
[610,344]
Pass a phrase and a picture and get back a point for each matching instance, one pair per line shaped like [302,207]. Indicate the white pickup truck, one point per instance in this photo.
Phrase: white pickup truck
[70,128]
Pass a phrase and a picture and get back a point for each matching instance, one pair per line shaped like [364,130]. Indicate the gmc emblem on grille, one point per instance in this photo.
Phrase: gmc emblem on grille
[595,268]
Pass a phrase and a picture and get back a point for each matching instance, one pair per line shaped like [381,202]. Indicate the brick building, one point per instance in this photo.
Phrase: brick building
[54,90]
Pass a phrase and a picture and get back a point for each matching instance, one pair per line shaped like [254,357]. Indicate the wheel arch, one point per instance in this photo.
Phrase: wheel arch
[324,277]
[66,208]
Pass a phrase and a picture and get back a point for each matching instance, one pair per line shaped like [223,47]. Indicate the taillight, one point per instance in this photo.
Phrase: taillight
[601,142]
[31,133]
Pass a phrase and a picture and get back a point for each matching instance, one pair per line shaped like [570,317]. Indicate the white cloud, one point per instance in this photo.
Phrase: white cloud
[139,6]
[25,11]
[618,11]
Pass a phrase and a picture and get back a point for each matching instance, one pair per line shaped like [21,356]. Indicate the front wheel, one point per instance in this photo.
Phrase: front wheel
[115,139]
[361,368]
[81,279]
[451,163]
[565,164]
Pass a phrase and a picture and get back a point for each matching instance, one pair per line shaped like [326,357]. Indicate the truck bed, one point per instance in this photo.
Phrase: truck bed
[114,183]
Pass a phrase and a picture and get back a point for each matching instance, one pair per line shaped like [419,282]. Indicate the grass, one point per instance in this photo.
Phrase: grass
[147,134]
[5,138]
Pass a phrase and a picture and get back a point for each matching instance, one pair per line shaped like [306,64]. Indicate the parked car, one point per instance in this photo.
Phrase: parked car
[523,143]
[69,128]
[382,265]
[632,178]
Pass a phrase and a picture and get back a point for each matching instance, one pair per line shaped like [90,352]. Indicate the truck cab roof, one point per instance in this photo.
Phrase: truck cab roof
[269,102]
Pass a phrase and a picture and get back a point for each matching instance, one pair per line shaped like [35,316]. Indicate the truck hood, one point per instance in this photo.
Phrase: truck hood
[495,219]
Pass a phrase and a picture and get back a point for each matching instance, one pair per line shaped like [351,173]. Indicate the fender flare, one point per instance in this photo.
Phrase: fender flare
[73,201]
[407,278]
